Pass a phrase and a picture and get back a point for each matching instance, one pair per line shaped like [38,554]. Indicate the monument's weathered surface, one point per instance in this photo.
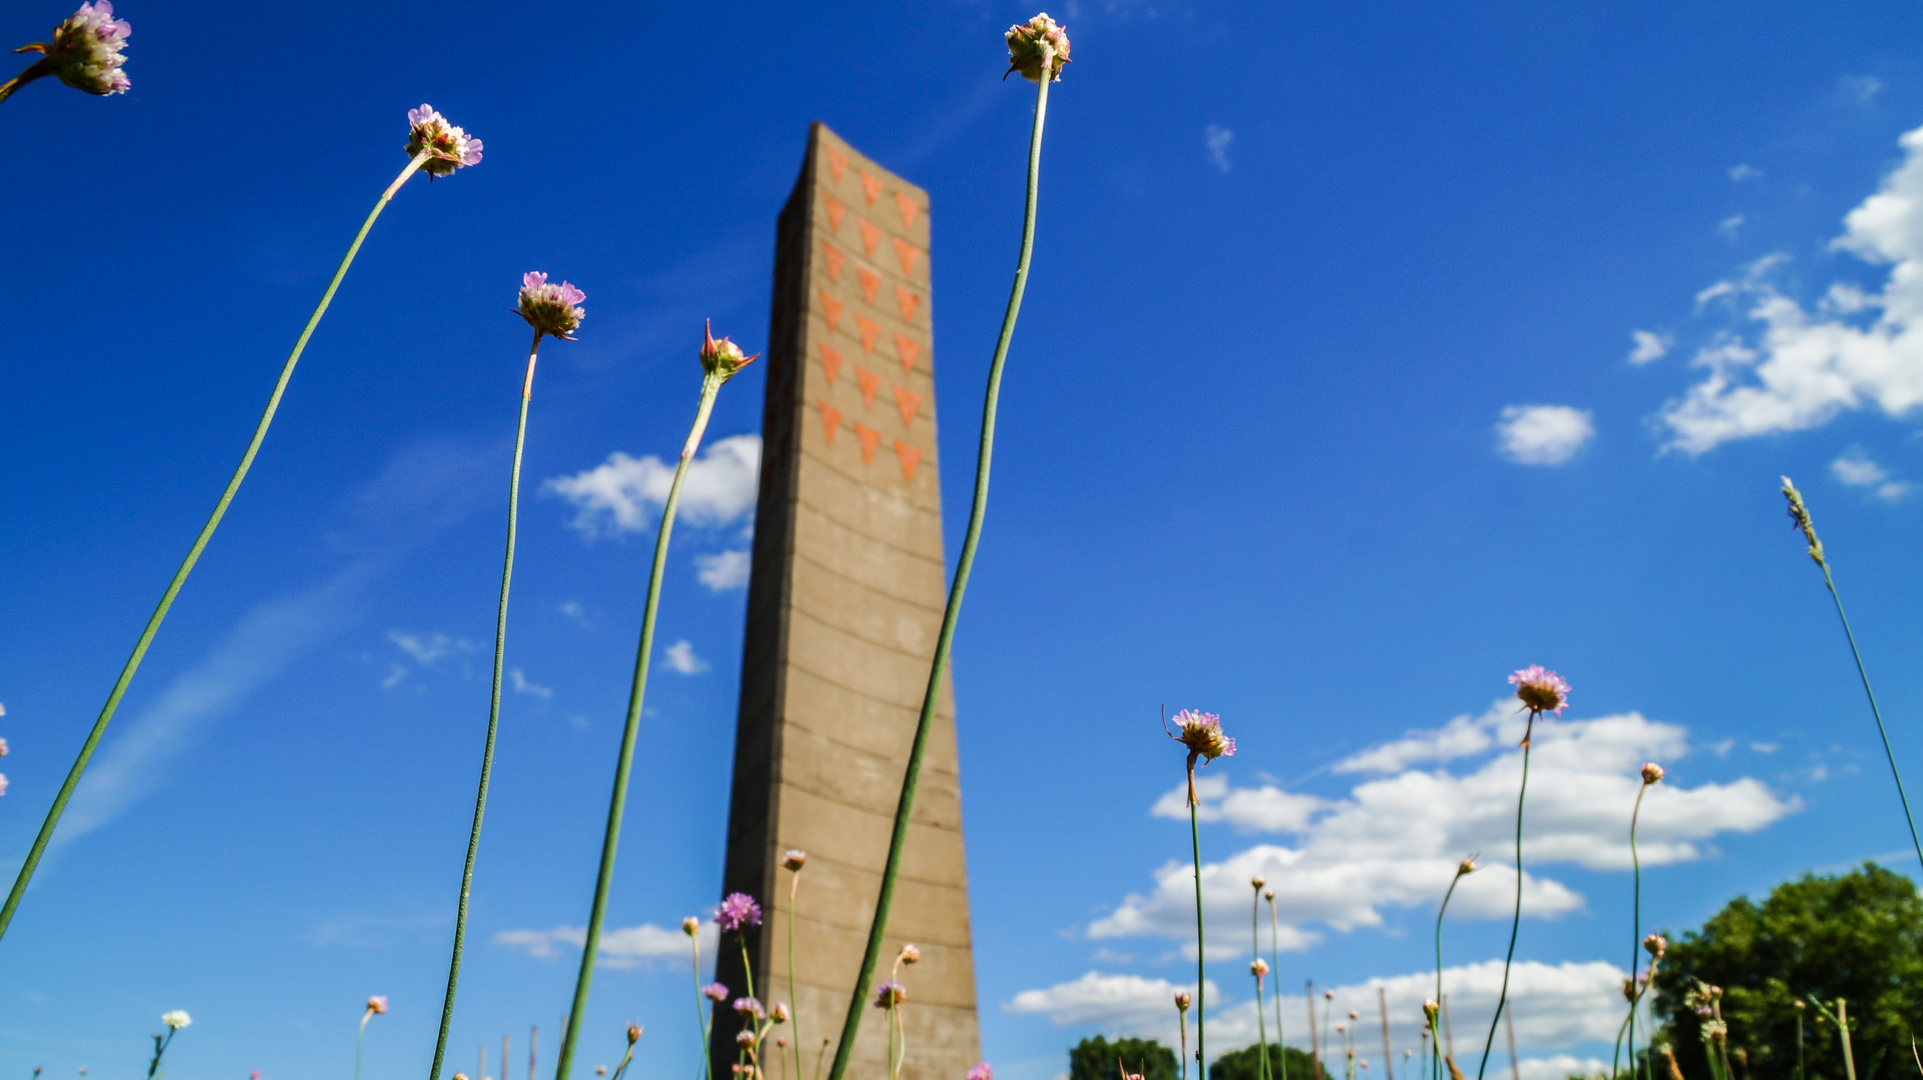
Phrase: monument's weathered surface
[843,608]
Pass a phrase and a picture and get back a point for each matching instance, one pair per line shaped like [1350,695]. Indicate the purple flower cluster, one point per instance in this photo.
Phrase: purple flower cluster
[551,309]
[1040,43]
[981,1072]
[738,910]
[1540,690]
[448,147]
[715,992]
[1202,733]
[890,994]
[86,50]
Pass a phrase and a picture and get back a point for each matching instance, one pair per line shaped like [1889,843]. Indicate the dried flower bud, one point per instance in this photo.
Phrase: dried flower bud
[1652,773]
[1257,881]
[691,926]
[1467,866]
[1258,967]
[448,147]
[1655,945]
[1430,1009]
[779,1014]
[377,1004]
[551,309]
[1038,44]
[1328,995]
[889,994]
[599,1070]
[1267,894]
[722,358]
[634,1034]
[781,1041]
[1182,1001]
[1353,1014]
[744,1038]
[910,954]
[794,859]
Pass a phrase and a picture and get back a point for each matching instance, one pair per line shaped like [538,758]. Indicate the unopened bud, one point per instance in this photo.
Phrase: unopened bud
[910,954]
[1655,944]
[691,926]
[1182,1000]
[1652,773]
[744,1038]
[780,1012]
[1257,881]
[722,357]
[1268,894]
[634,1034]
[794,859]
[1258,967]
[1466,867]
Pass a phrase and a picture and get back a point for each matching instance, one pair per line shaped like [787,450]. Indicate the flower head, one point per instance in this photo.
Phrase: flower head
[1799,514]
[86,50]
[981,1072]
[1430,1008]
[1540,690]
[744,1037]
[377,1004]
[1653,773]
[737,910]
[795,859]
[722,358]
[1353,1014]
[448,147]
[1328,995]
[748,1006]
[3,783]
[634,1034]
[715,992]
[1202,733]
[1258,967]
[551,309]
[1467,866]
[1268,894]
[779,1014]
[691,926]
[178,1018]
[1038,44]
[910,954]
[1629,990]
[1182,1001]
[890,994]
[1257,881]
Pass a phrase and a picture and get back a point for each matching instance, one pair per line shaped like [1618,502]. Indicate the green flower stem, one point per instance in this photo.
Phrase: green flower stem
[1635,932]
[360,1039]
[794,1001]
[493,717]
[1863,673]
[193,556]
[911,778]
[1435,1065]
[1275,961]
[617,802]
[39,69]
[1255,948]
[1515,925]
[700,1011]
[1261,1026]
[1201,954]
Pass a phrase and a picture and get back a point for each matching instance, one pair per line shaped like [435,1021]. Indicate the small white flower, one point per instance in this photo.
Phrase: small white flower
[177,1019]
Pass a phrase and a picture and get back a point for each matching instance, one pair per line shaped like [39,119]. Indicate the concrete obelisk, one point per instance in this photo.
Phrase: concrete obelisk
[844,605]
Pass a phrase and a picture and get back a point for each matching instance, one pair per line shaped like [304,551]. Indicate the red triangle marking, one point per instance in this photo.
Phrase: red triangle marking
[870,330]
[870,382]
[835,211]
[908,349]
[830,362]
[830,422]
[869,437]
[910,303]
[831,307]
[870,281]
[870,186]
[836,163]
[910,457]
[908,401]
[907,253]
[910,209]
[870,236]
[833,258]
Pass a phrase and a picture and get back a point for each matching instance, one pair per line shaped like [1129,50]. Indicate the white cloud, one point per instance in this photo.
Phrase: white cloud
[622,947]
[1857,470]
[1649,346]
[1730,225]
[624,494]
[1395,839]
[1803,368]
[1218,139]
[1554,1006]
[1742,172]
[575,612]
[426,648]
[680,657]
[1543,434]
[522,686]
[727,570]
[1863,88]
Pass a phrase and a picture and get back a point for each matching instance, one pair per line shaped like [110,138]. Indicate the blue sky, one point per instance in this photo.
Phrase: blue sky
[1369,355]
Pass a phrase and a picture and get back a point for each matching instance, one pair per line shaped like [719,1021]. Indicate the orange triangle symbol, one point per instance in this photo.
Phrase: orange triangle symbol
[870,281]
[870,236]
[910,457]
[870,382]
[833,258]
[835,210]
[831,307]
[908,401]
[910,209]
[830,362]
[907,253]
[870,186]
[910,303]
[909,349]
[830,422]
[870,330]
[836,163]
[869,437]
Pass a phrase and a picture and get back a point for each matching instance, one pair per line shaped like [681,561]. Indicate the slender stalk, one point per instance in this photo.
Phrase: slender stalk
[1635,932]
[794,1001]
[1275,961]
[39,69]
[617,802]
[493,720]
[1201,954]
[1843,1026]
[1799,1044]
[911,778]
[700,1011]
[1261,1026]
[193,556]
[359,1040]
[1182,1015]
[1515,925]
[161,1044]
[1255,947]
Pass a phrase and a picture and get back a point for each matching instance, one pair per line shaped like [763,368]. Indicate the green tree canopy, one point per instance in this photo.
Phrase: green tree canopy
[1245,1064]
[1094,1059]
[1857,936]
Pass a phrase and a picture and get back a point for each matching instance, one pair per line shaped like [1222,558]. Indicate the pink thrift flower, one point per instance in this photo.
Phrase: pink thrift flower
[1652,772]
[1202,733]
[551,309]
[747,1006]
[1540,690]
[3,783]
[715,992]
[86,50]
[3,748]
[738,910]
[448,147]
[889,994]
[377,1005]
[722,358]
[1037,44]
[981,1072]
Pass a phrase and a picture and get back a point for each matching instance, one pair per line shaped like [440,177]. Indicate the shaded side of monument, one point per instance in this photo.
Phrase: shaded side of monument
[844,604]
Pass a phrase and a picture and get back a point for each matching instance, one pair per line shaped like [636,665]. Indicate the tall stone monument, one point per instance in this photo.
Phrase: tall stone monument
[843,608]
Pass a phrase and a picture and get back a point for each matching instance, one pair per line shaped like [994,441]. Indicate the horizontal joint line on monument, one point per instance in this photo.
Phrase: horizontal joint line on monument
[922,508]
[933,770]
[884,541]
[935,610]
[913,819]
[921,658]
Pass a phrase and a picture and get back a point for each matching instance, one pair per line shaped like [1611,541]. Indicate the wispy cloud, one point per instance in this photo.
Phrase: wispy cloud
[1648,346]
[724,571]
[1857,470]
[522,686]
[680,657]
[1742,172]
[1218,139]
[1543,434]
[621,947]
[624,494]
